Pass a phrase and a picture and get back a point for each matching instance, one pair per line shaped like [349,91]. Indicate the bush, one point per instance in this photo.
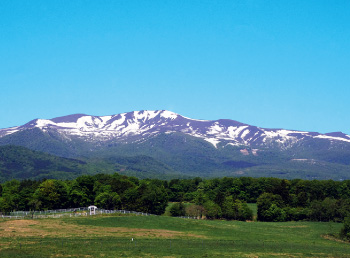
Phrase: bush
[212,210]
[270,208]
[236,209]
[345,231]
[195,210]
[177,210]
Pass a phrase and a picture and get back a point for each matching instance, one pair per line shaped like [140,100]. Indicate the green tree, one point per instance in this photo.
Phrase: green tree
[10,199]
[177,209]
[345,231]
[236,209]
[85,184]
[200,196]
[52,194]
[34,205]
[130,199]
[78,194]
[108,200]
[26,191]
[265,210]
[212,210]
[275,214]
[154,199]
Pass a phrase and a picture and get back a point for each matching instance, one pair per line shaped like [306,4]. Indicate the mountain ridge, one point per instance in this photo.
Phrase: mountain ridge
[149,122]
[188,146]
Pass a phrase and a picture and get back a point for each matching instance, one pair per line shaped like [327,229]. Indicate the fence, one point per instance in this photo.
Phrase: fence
[73,212]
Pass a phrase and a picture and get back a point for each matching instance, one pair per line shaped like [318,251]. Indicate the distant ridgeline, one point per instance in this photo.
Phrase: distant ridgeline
[163,144]
[277,199]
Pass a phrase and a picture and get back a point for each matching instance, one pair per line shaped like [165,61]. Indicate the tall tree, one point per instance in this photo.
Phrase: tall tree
[52,194]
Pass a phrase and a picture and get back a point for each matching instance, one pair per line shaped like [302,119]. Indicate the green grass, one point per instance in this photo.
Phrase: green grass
[167,209]
[254,208]
[160,236]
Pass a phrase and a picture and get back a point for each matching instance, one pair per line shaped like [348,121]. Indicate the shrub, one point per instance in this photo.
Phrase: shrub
[236,209]
[212,210]
[345,231]
[270,207]
[177,209]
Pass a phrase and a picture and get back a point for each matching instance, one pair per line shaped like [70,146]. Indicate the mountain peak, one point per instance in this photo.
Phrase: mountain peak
[140,125]
[187,144]
[338,134]
[67,119]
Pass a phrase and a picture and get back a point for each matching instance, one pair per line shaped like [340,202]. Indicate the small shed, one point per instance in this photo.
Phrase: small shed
[92,209]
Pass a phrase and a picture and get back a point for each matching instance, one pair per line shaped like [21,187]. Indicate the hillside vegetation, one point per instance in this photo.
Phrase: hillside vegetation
[21,163]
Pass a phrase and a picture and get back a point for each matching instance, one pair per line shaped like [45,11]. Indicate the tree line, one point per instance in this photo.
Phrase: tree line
[105,191]
[277,199]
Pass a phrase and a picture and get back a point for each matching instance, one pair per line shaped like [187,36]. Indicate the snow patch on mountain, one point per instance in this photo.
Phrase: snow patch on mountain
[143,124]
[332,138]
[213,141]
[169,115]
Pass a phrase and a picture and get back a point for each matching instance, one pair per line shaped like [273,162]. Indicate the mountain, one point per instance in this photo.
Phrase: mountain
[21,163]
[189,146]
[139,126]
[18,162]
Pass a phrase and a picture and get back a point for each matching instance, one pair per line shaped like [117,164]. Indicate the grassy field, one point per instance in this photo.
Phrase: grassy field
[161,236]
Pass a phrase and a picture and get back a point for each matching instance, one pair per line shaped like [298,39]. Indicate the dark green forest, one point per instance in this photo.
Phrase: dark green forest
[227,198]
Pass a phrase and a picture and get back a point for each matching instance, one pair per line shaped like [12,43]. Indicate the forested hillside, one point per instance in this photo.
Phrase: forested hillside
[21,163]
[18,162]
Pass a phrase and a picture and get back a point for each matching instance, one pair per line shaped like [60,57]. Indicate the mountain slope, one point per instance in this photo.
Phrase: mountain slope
[189,146]
[135,126]
[21,163]
[18,162]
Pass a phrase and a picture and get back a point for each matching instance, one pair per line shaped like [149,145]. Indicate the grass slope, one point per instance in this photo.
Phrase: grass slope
[160,236]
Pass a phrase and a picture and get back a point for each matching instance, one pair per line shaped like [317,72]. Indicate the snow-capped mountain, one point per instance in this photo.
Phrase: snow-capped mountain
[163,140]
[141,125]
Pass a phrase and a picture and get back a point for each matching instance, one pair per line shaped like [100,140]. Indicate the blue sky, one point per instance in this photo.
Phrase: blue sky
[274,64]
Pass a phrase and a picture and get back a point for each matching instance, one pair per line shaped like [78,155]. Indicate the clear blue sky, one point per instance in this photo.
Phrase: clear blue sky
[274,64]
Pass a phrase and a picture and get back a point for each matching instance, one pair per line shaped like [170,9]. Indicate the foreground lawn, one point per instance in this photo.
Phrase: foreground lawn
[160,236]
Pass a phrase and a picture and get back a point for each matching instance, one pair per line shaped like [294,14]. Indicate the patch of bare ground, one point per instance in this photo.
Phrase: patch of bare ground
[284,255]
[4,245]
[58,228]
[293,226]
[225,226]
[273,254]
[333,238]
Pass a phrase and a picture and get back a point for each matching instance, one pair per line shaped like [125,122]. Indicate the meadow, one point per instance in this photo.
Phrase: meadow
[161,236]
